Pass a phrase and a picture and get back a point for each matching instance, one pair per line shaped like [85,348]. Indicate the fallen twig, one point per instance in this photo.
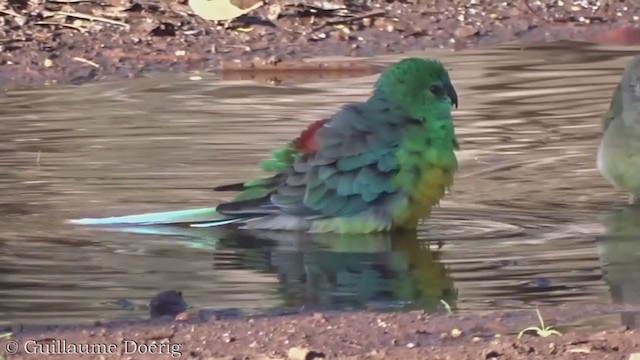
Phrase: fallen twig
[85,61]
[350,19]
[10,13]
[67,1]
[12,40]
[526,3]
[93,18]
[338,11]
[53,23]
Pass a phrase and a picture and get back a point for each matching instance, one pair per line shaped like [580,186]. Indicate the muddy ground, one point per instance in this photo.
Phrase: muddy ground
[73,41]
[346,335]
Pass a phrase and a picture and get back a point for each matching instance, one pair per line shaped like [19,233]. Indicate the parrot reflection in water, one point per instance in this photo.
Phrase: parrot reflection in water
[619,152]
[375,166]
[619,253]
[325,271]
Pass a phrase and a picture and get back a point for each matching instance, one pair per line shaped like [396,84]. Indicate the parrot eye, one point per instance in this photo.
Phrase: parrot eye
[437,90]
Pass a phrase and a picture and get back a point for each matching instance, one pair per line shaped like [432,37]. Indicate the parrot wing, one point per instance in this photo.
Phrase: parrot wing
[340,169]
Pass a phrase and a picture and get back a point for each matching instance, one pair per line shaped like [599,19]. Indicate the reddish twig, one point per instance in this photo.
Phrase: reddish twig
[526,3]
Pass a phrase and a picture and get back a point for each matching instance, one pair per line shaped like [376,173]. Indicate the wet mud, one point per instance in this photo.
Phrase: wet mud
[74,41]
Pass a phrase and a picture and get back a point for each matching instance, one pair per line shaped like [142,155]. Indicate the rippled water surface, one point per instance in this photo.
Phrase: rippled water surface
[529,219]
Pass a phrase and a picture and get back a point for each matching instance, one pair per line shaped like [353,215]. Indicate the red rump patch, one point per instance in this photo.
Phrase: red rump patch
[306,142]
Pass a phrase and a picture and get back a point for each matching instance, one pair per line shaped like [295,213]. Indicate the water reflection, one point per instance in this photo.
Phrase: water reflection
[330,271]
[619,250]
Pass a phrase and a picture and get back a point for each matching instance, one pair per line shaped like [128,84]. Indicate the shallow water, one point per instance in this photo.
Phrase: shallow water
[529,220]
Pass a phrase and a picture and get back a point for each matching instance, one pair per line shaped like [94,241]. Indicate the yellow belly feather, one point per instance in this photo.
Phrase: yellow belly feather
[429,191]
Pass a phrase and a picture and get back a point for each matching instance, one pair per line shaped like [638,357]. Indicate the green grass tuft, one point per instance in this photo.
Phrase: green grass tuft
[542,330]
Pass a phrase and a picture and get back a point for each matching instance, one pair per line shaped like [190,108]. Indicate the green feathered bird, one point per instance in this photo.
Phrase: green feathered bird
[619,153]
[374,166]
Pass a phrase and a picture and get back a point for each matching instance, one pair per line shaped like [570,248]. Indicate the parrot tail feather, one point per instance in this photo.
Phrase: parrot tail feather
[220,222]
[184,217]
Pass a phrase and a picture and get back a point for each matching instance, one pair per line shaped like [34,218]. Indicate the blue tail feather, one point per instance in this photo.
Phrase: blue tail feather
[185,217]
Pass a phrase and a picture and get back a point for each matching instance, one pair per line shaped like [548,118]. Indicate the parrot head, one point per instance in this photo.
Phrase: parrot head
[629,91]
[417,84]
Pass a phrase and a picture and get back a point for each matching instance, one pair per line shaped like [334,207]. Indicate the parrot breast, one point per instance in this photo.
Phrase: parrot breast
[429,190]
[618,160]
[427,166]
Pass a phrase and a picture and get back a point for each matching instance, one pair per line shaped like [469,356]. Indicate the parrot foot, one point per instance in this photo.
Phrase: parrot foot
[633,200]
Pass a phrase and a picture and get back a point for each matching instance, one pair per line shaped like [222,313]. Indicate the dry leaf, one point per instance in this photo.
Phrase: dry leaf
[218,10]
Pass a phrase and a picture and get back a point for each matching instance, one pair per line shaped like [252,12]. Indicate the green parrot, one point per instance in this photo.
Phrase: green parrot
[619,152]
[375,166]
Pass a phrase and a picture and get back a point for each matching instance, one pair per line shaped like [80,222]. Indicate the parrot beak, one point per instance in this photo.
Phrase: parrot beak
[451,92]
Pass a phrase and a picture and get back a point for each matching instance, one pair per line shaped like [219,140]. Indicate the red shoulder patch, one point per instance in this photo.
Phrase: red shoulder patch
[306,142]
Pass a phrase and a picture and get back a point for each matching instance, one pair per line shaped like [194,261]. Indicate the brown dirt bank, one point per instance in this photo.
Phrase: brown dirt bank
[73,41]
[354,335]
